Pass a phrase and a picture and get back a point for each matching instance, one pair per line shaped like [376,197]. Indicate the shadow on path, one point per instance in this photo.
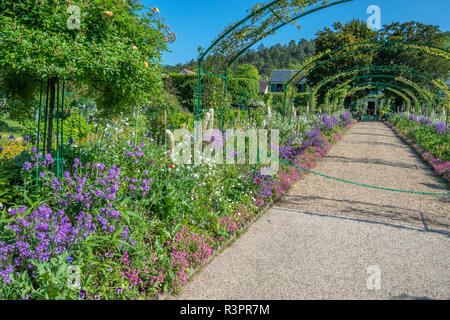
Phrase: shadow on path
[396,226]
[372,210]
[340,159]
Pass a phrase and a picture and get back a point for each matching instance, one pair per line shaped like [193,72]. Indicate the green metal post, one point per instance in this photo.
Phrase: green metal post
[57,129]
[284,107]
[46,117]
[225,84]
[136,130]
[38,132]
[199,98]
[62,126]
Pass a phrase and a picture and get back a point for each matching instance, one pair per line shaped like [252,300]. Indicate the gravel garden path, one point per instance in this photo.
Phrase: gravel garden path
[318,242]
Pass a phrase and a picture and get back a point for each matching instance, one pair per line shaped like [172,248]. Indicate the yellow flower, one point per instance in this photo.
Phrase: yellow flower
[12,149]
[108,13]
[156,9]
[134,47]
[146,64]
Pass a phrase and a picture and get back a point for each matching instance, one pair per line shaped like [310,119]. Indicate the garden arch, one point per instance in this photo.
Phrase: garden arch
[390,86]
[241,36]
[378,45]
[412,84]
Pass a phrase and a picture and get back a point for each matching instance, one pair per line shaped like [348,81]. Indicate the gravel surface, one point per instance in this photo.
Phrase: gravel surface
[318,242]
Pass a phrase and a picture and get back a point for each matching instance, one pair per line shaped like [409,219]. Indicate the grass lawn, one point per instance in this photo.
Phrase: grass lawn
[8,128]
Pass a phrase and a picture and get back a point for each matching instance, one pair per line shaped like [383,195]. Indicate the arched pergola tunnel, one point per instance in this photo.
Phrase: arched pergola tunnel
[370,85]
[400,91]
[265,20]
[334,55]
[241,36]
[366,86]
[404,83]
[357,88]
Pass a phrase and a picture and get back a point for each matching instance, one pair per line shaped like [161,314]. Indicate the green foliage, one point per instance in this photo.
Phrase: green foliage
[185,86]
[437,144]
[300,100]
[115,52]
[342,34]
[50,281]
[165,112]
[415,32]
[74,126]
[276,57]
[240,86]
[246,71]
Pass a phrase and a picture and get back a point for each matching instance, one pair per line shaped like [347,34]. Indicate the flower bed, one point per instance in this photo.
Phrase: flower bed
[138,229]
[421,142]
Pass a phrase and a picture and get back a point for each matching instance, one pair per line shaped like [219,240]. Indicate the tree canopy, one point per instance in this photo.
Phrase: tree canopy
[114,55]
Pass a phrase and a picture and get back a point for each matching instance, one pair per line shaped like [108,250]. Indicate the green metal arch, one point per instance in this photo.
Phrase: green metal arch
[412,71]
[356,89]
[402,96]
[269,7]
[414,97]
[384,85]
[422,45]
[324,82]
[222,37]
[376,76]
[282,25]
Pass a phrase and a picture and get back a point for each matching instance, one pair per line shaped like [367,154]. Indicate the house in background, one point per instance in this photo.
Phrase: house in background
[280,77]
[186,71]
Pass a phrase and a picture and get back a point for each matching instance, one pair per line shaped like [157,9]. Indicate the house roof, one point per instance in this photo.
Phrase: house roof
[186,71]
[281,76]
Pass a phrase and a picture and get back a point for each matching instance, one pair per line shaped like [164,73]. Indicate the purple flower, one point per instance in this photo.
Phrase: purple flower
[82,294]
[49,158]
[11,137]
[27,166]
[441,128]
[119,291]
[6,272]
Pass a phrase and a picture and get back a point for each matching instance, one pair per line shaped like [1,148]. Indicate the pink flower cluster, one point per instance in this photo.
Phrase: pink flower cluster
[188,250]
[234,221]
[441,167]
[145,278]
[289,175]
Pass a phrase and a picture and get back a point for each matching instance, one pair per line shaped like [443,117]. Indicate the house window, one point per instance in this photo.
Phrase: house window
[277,87]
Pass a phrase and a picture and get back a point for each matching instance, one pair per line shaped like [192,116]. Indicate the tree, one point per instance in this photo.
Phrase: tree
[246,71]
[415,32]
[343,34]
[114,53]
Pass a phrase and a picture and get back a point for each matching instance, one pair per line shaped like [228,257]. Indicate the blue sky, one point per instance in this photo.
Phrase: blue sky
[198,22]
